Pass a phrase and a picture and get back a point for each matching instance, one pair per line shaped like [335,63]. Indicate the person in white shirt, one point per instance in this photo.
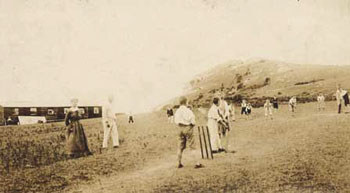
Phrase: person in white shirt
[341,95]
[293,104]
[339,98]
[320,102]
[184,118]
[109,121]
[214,119]
[268,108]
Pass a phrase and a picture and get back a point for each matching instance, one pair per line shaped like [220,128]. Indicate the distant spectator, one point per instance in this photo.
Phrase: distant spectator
[244,107]
[249,109]
[341,95]
[320,102]
[292,104]
[268,108]
[275,103]
[131,118]
[170,114]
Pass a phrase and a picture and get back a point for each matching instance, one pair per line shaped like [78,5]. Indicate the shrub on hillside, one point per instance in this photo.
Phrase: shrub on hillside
[239,78]
[240,86]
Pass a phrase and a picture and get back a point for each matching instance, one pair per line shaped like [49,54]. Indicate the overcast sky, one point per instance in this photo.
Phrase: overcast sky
[144,51]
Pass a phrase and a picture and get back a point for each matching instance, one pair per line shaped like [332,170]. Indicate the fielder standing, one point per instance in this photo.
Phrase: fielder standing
[268,109]
[109,121]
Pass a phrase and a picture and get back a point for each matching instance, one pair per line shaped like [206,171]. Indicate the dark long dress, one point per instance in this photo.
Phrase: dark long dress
[77,144]
[275,103]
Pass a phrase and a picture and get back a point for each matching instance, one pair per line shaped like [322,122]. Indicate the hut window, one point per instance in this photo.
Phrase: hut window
[50,112]
[82,111]
[96,110]
[33,110]
[16,111]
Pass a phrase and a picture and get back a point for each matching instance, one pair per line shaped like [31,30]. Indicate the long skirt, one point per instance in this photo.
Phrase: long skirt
[214,135]
[77,144]
[346,99]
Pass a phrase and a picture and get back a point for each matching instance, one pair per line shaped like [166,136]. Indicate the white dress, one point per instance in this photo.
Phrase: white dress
[213,118]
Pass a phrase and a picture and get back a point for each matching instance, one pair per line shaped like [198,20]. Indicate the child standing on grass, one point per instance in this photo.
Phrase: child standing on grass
[268,109]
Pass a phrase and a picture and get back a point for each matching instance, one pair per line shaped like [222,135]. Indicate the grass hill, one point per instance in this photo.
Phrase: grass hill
[257,80]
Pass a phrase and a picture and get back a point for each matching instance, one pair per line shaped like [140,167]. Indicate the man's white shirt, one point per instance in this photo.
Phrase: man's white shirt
[184,116]
[108,111]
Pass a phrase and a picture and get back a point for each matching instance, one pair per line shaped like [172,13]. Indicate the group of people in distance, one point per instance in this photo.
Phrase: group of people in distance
[220,118]
[246,108]
[76,140]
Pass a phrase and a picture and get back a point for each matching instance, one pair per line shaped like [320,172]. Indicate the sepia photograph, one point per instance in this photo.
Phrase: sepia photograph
[185,96]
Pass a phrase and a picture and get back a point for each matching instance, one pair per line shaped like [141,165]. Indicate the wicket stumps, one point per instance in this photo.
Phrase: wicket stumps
[204,142]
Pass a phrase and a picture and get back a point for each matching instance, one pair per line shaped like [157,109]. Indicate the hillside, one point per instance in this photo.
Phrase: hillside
[259,79]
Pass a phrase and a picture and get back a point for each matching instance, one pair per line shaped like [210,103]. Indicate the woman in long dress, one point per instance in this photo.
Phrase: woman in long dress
[77,145]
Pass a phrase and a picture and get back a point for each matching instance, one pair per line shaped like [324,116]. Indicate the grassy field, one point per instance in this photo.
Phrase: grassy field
[303,152]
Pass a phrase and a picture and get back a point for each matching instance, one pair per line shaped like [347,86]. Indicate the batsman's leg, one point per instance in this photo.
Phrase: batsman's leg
[106,134]
[115,135]
[181,147]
